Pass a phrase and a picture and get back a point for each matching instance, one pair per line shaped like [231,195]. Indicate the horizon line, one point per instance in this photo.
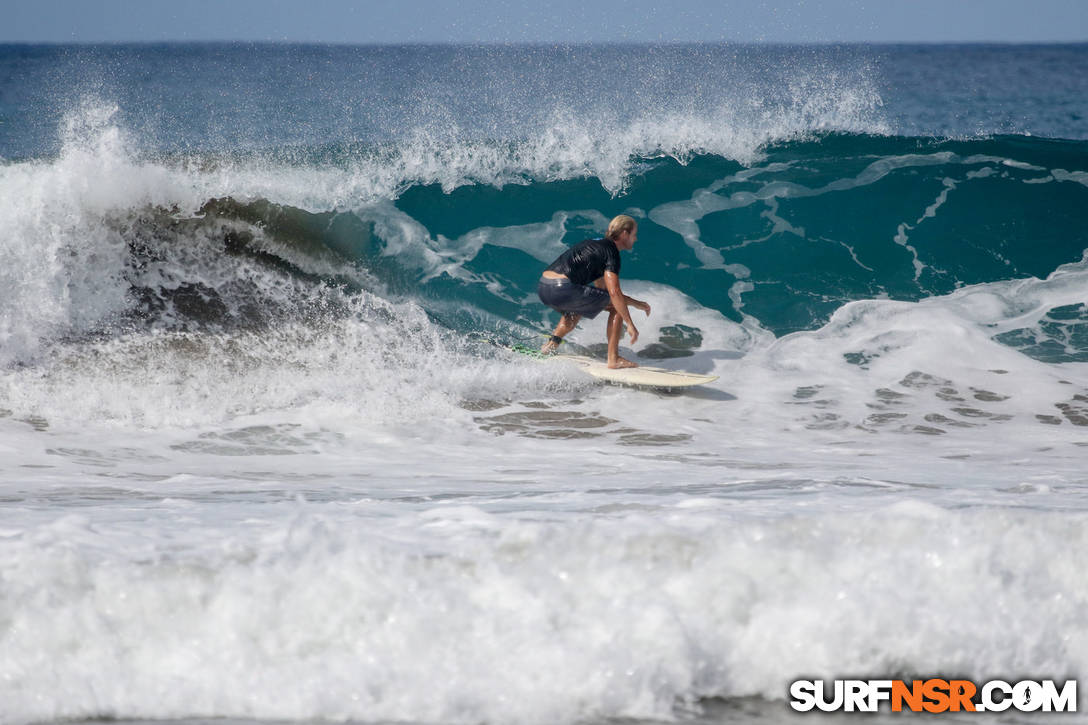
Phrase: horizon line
[501,43]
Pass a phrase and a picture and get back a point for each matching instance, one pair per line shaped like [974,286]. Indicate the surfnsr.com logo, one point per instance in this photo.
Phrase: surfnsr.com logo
[933,695]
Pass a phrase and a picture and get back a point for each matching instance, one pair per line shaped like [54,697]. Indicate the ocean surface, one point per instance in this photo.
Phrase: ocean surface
[265,456]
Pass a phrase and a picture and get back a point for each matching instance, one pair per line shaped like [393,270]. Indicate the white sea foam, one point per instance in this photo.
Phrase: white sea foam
[451,613]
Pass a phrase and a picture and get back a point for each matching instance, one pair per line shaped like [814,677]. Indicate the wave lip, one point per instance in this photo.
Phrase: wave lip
[69,219]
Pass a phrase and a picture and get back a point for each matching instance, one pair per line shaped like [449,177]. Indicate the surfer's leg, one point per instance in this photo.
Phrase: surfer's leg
[615,329]
[566,323]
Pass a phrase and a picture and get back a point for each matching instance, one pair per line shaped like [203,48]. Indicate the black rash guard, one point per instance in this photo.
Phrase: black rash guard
[587,261]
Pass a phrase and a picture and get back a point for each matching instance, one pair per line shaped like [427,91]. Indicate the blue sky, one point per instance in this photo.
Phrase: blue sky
[513,21]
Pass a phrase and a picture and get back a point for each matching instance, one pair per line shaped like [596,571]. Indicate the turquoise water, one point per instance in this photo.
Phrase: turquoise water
[930,190]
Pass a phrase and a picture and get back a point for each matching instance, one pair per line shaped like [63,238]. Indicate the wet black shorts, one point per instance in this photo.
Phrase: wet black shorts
[565,296]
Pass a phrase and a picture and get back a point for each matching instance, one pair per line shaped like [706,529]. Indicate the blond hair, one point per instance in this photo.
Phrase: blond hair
[619,225]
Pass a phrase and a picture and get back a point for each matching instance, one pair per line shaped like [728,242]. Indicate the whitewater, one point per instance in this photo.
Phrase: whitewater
[265,455]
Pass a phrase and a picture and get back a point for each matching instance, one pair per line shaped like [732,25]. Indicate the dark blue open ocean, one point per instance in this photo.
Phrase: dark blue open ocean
[264,454]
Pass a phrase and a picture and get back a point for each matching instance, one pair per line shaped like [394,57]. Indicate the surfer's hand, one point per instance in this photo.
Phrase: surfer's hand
[633,332]
[640,305]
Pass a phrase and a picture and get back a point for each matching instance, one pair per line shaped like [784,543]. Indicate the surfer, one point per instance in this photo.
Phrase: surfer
[585,280]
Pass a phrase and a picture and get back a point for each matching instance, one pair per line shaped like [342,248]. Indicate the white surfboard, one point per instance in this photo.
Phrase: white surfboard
[642,376]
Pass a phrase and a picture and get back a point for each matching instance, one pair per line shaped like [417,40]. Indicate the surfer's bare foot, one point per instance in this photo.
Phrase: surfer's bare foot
[622,362]
[548,348]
